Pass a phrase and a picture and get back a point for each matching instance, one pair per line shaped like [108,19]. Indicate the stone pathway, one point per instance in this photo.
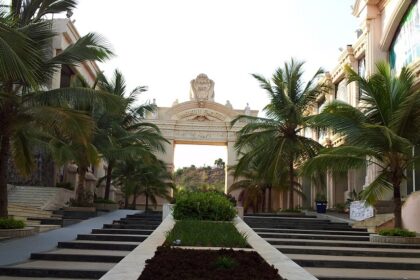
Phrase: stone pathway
[332,250]
[89,256]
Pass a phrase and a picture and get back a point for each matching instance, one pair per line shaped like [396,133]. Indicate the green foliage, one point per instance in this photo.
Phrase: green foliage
[65,185]
[340,207]
[206,234]
[10,223]
[104,201]
[397,232]
[203,206]
[292,210]
[85,199]
[320,197]
[381,132]
[225,262]
[274,144]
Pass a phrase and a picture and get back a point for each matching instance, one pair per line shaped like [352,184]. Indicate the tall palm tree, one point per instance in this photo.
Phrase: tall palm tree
[27,110]
[124,133]
[276,139]
[383,130]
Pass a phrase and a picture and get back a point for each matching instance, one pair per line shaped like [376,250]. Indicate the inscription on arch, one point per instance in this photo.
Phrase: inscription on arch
[201,114]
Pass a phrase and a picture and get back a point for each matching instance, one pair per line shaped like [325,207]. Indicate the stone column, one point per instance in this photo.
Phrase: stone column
[230,161]
[168,155]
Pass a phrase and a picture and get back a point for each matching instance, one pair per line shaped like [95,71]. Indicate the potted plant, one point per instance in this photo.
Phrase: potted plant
[321,203]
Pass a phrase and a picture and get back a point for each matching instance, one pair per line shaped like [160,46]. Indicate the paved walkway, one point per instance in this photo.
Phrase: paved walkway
[18,250]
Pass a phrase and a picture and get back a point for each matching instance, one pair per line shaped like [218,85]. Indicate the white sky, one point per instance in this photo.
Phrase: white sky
[164,44]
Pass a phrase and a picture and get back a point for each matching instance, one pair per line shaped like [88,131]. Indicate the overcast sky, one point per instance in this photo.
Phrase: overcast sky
[164,44]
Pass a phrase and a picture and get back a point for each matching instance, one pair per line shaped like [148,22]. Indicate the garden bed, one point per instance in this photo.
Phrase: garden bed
[176,264]
[206,234]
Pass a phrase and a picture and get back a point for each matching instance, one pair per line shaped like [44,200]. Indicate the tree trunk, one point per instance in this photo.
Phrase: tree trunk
[108,179]
[291,189]
[397,205]
[80,191]
[4,158]
[263,200]
[125,201]
[134,203]
[270,208]
[147,202]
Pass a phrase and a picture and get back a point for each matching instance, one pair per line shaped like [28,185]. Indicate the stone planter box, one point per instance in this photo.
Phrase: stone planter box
[79,212]
[15,233]
[394,239]
[108,207]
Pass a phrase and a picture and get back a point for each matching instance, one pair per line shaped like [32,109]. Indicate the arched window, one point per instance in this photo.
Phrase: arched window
[405,47]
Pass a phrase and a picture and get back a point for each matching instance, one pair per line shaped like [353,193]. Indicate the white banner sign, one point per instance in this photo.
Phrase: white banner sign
[360,211]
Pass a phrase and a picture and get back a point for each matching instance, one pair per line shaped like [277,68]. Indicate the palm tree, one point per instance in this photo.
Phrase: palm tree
[276,139]
[27,110]
[383,130]
[143,176]
[124,133]
[153,181]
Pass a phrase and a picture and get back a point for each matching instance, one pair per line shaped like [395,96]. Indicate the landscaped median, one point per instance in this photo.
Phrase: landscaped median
[206,242]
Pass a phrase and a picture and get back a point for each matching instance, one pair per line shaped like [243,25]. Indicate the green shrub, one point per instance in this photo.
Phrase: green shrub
[291,210]
[10,223]
[210,206]
[225,262]
[104,201]
[397,232]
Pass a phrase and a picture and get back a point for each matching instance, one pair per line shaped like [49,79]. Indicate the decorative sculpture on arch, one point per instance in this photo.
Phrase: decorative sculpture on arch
[202,88]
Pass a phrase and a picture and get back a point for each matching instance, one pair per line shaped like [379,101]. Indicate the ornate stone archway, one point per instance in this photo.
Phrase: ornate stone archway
[200,121]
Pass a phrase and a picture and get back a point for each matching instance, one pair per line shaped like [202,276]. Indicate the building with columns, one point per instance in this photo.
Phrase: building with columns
[388,30]
[47,173]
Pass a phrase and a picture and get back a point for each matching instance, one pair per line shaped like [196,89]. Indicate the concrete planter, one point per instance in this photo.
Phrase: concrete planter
[394,239]
[15,233]
[79,212]
[108,207]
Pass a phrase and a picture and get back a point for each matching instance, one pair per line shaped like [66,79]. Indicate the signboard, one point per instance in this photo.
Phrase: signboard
[360,211]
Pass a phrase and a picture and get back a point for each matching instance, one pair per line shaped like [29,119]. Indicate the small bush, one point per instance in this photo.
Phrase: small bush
[397,232]
[104,201]
[225,262]
[210,206]
[10,223]
[291,210]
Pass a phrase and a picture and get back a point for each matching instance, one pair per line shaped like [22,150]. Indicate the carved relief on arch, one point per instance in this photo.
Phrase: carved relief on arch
[200,114]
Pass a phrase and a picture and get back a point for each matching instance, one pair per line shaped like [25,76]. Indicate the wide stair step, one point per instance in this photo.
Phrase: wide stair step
[336,251]
[112,237]
[90,256]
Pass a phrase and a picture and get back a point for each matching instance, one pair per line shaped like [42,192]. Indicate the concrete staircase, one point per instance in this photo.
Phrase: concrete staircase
[90,256]
[331,250]
[43,198]
[33,217]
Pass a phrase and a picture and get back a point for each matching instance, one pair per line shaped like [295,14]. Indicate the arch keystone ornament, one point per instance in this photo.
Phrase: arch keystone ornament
[200,121]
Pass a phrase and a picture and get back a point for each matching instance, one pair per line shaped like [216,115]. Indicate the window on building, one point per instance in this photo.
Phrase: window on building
[341,91]
[405,47]
[67,75]
[361,70]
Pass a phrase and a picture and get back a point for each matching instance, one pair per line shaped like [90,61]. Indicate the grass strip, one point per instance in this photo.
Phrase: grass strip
[206,234]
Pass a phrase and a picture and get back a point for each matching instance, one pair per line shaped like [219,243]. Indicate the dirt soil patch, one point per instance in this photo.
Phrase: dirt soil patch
[186,264]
